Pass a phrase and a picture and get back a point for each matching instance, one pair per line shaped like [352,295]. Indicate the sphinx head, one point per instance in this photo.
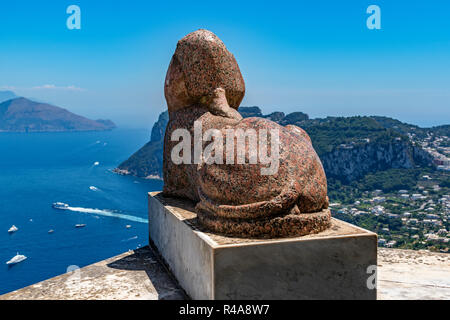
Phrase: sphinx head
[200,65]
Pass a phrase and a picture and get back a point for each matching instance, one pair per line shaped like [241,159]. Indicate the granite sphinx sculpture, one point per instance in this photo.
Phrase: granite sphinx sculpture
[203,89]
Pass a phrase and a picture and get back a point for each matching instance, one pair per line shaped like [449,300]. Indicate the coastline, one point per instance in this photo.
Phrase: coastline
[125,172]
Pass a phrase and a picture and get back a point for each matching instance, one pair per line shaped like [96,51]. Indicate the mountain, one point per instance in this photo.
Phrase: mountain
[109,125]
[7,95]
[443,130]
[24,115]
[147,161]
[349,147]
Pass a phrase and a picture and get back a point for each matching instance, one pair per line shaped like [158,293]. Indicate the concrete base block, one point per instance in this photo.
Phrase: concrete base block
[333,264]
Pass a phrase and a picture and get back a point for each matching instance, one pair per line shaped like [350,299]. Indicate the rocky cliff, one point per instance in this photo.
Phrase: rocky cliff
[349,147]
[349,163]
[147,161]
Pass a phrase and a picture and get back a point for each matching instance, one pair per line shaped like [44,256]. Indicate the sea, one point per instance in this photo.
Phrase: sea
[75,168]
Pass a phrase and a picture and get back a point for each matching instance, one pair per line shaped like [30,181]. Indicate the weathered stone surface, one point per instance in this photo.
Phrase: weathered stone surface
[200,65]
[328,265]
[413,275]
[133,275]
[204,85]
[402,275]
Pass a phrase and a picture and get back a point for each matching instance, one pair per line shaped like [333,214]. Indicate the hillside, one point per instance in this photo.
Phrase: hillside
[24,115]
[147,161]
[349,147]
[443,130]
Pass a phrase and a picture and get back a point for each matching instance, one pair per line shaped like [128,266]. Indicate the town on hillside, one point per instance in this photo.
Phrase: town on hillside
[418,218]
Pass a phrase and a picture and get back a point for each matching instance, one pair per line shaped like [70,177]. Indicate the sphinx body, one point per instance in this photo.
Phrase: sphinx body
[204,85]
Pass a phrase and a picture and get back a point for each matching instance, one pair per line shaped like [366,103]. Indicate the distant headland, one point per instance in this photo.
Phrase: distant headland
[18,114]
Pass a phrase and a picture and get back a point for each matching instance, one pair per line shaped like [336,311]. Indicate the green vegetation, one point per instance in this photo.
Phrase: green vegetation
[401,127]
[359,139]
[354,203]
[146,161]
[390,180]
[326,134]
[443,130]
[294,118]
[247,112]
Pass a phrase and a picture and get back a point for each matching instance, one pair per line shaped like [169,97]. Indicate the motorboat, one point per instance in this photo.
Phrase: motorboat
[13,229]
[16,259]
[60,206]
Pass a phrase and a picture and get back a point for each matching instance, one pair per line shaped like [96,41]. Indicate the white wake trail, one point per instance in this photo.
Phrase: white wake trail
[129,239]
[107,213]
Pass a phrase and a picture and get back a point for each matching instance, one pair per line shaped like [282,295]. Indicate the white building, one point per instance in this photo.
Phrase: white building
[334,204]
[376,192]
[391,243]
[407,214]
[377,210]
[379,199]
[417,196]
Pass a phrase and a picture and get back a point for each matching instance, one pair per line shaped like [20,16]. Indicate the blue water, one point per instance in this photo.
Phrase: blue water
[39,169]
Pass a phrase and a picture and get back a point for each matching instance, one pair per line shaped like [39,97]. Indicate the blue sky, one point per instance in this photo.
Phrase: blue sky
[312,56]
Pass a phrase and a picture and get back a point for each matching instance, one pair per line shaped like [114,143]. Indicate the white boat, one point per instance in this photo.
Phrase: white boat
[51,231]
[92,188]
[96,163]
[128,226]
[81,225]
[18,258]
[60,205]
[13,229]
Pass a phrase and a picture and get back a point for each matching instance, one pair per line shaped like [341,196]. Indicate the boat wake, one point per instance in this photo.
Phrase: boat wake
[129,239]
[107,213]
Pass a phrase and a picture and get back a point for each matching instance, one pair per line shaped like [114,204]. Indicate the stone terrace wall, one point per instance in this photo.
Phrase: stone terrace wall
[402,274]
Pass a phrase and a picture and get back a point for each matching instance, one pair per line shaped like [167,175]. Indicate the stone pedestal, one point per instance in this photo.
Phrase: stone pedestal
[332,264]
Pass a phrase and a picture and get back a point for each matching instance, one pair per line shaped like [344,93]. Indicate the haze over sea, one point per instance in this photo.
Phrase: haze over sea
[38,169]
